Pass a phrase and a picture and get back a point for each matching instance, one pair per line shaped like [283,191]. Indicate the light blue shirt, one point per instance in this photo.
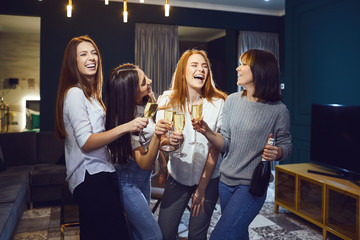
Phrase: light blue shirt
[81,119]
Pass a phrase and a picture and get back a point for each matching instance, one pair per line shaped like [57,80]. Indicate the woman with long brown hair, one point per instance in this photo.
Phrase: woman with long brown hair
[194,176]
[80,116]
[128,90]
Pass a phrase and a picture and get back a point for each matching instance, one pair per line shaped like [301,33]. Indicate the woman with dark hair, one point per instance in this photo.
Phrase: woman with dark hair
[80,115]
[196,175]
[128,90]
[250,117]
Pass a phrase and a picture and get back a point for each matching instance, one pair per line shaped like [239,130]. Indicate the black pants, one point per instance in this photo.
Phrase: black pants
[100,211]
[173,203]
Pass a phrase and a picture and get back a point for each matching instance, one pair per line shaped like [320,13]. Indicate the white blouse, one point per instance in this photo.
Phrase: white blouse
[187,170]
[81,119]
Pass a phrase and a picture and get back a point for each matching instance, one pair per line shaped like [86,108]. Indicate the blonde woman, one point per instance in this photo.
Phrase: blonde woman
[196,175]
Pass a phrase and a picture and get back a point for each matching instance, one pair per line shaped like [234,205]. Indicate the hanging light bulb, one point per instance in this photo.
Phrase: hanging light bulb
[125,12]
[142,1]
[69,9]
[106,2]
[167,8]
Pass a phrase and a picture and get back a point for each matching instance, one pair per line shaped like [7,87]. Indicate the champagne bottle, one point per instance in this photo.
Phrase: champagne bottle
[261,176]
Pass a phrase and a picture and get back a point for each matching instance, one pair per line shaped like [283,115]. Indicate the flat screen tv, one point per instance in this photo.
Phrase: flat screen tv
[335,139]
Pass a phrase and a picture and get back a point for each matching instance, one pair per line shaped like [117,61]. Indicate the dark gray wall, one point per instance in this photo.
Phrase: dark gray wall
[321,62]
[115,39]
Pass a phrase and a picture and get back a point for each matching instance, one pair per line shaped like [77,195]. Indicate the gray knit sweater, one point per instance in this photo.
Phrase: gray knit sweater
[245,130]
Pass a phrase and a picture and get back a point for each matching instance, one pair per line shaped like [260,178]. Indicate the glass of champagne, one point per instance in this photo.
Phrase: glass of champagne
[179,120]
[196,113]
[149,111]
[169,116]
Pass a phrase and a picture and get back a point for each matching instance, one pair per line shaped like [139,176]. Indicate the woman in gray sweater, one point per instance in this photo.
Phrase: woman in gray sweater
[250,117]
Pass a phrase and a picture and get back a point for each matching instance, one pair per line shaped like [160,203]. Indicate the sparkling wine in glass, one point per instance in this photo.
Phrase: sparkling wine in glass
[169,116]
[196,113]
[149,111]
[179,123]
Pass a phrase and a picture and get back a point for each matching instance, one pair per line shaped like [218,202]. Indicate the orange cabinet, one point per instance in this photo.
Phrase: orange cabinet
[328,202]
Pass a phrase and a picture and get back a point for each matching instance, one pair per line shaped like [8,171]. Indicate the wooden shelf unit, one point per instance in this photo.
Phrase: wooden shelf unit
[328,202]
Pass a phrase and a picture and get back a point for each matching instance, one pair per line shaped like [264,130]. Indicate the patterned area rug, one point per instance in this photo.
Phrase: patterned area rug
[43,223]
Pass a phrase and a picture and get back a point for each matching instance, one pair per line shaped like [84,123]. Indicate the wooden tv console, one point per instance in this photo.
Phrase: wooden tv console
[328,202]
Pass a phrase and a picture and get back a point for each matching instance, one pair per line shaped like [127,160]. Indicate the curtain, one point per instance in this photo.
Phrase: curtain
[260,40]
[157,52]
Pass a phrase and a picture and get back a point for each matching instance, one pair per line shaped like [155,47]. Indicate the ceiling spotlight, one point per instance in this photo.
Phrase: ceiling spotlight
[69,9]
[125,12]
[167,8]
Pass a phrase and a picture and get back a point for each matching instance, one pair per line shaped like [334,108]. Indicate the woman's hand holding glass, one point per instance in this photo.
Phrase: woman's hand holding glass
[169,115]
[200,125]
[162,127]
[137,124]
[176,138]
[213,137]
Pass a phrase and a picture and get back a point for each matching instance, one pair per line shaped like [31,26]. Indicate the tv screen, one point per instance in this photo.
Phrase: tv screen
[335,137]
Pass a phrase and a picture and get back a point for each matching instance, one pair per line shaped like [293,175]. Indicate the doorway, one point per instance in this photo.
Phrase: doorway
[19,68]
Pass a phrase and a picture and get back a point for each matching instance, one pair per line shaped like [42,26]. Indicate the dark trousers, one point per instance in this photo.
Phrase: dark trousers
[173,203]
[100,212]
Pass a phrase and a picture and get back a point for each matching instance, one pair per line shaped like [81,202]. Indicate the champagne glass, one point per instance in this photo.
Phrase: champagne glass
[149,111]
[169,116]
[196,113]
[179,120]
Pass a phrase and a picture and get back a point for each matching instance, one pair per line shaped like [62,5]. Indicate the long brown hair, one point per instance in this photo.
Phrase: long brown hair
[120,99]
[70,76]
[179,86]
